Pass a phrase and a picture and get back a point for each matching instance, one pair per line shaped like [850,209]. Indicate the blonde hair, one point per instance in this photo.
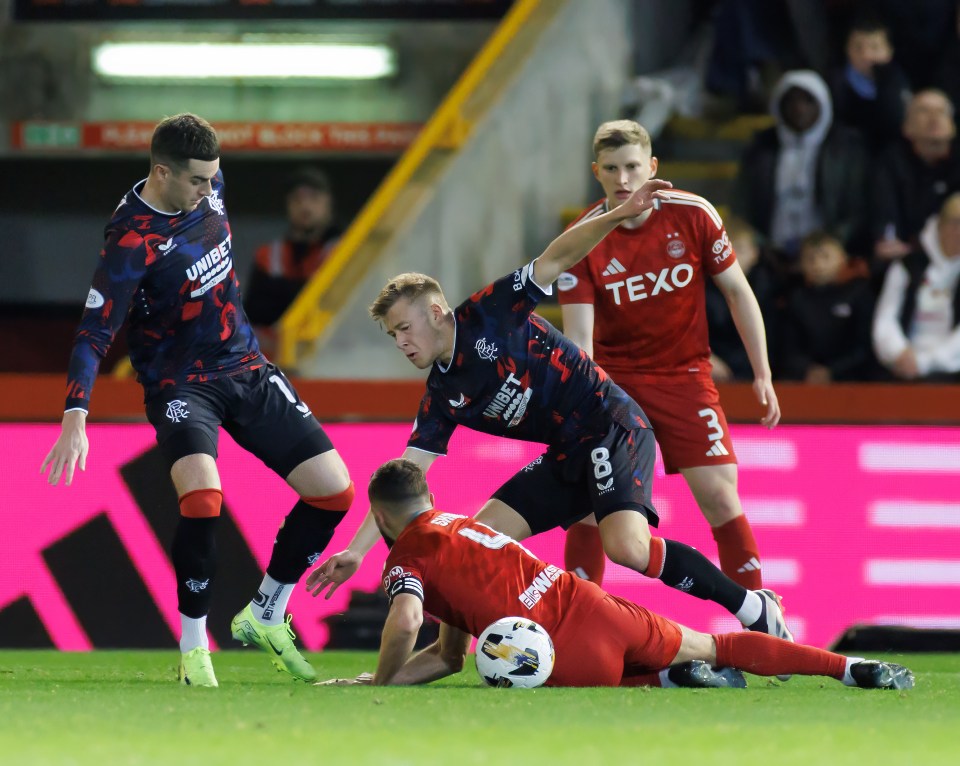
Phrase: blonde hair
[617,133]
[411,285]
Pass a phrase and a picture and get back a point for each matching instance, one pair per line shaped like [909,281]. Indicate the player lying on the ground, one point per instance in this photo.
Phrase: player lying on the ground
[468,575]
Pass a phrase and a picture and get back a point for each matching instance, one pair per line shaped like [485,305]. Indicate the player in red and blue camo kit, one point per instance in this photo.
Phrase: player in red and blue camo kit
[167,268]
[499,368]
[600,639]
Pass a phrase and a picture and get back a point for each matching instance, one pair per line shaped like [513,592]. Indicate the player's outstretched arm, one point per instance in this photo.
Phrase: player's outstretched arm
[340,567]
[399,637]
[69,450]
[577,241]
[444,657]
[745,311]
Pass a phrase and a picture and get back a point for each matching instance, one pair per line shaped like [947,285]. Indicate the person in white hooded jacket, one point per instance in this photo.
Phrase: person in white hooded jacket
[916,325]
[805,173]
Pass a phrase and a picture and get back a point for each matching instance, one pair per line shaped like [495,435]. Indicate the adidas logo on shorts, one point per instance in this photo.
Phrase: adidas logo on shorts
[717,450]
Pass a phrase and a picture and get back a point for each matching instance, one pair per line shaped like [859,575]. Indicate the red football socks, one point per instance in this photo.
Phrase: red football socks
[765,655]
[583,552]
[739,554]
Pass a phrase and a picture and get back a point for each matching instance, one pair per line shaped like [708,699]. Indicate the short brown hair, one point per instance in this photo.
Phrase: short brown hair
[397,482]
[617,133]
[819,238]
[181,138]
[411,286]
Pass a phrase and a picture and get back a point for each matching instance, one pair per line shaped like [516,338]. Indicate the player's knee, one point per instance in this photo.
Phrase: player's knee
[720,505]
[716,491]
[201,504]
[631,552]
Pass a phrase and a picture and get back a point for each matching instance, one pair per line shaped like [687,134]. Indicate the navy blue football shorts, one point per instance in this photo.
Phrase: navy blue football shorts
[260,409]
[609,474]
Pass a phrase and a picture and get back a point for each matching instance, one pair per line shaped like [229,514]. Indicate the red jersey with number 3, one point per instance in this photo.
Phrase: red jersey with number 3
[647,287]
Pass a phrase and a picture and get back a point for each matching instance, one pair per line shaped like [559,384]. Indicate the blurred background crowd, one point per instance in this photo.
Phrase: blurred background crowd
[824,132]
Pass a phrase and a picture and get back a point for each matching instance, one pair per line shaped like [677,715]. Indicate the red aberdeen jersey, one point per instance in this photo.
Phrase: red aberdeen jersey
[468,575]
[647,287]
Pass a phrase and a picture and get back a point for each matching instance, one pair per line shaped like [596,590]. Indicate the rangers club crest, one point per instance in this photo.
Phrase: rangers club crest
[195,586]
[487,351]
[177,410]
[216,204]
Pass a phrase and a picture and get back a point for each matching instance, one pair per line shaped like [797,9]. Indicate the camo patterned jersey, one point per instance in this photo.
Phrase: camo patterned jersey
[449,562]
[173,275]
[515,375]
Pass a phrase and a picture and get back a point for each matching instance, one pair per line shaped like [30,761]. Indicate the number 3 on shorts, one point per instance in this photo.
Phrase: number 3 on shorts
[713,423]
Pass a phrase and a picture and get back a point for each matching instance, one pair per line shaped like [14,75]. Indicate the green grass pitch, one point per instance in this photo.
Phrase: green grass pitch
[125,707]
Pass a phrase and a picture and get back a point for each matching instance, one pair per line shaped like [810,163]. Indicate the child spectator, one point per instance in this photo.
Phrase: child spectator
[871,90]
[826,333]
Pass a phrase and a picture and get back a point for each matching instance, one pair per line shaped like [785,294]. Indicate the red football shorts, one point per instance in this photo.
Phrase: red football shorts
[686,416]
[602,636]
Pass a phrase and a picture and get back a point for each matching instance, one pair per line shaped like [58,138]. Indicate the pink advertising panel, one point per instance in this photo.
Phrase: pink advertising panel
[856,524]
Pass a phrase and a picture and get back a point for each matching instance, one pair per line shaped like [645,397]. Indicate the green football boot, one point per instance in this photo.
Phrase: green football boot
[196,669]
[275,640]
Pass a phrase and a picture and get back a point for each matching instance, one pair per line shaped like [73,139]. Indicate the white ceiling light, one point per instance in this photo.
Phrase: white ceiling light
[205,61]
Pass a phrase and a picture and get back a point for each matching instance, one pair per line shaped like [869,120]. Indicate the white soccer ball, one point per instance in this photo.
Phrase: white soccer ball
[515,651]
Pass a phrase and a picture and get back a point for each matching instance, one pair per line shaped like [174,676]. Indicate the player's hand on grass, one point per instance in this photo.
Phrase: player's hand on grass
[364,679]
[333,572]
[763,388]
[69,450]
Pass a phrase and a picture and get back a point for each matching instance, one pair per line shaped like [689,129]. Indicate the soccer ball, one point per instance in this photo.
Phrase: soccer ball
[514,651]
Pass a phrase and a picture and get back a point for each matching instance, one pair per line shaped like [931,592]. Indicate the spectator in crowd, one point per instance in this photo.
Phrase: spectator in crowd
[916,327]
[804,173]
[282,267]
[871,90]
[914,176]
[728,355]
[827,324]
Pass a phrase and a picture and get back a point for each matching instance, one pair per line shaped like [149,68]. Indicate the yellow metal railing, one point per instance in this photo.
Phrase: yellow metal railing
[448,128]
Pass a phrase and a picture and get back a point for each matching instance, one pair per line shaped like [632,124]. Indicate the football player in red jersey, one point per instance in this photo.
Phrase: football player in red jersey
[636,304]
[167,269]
[468,575]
